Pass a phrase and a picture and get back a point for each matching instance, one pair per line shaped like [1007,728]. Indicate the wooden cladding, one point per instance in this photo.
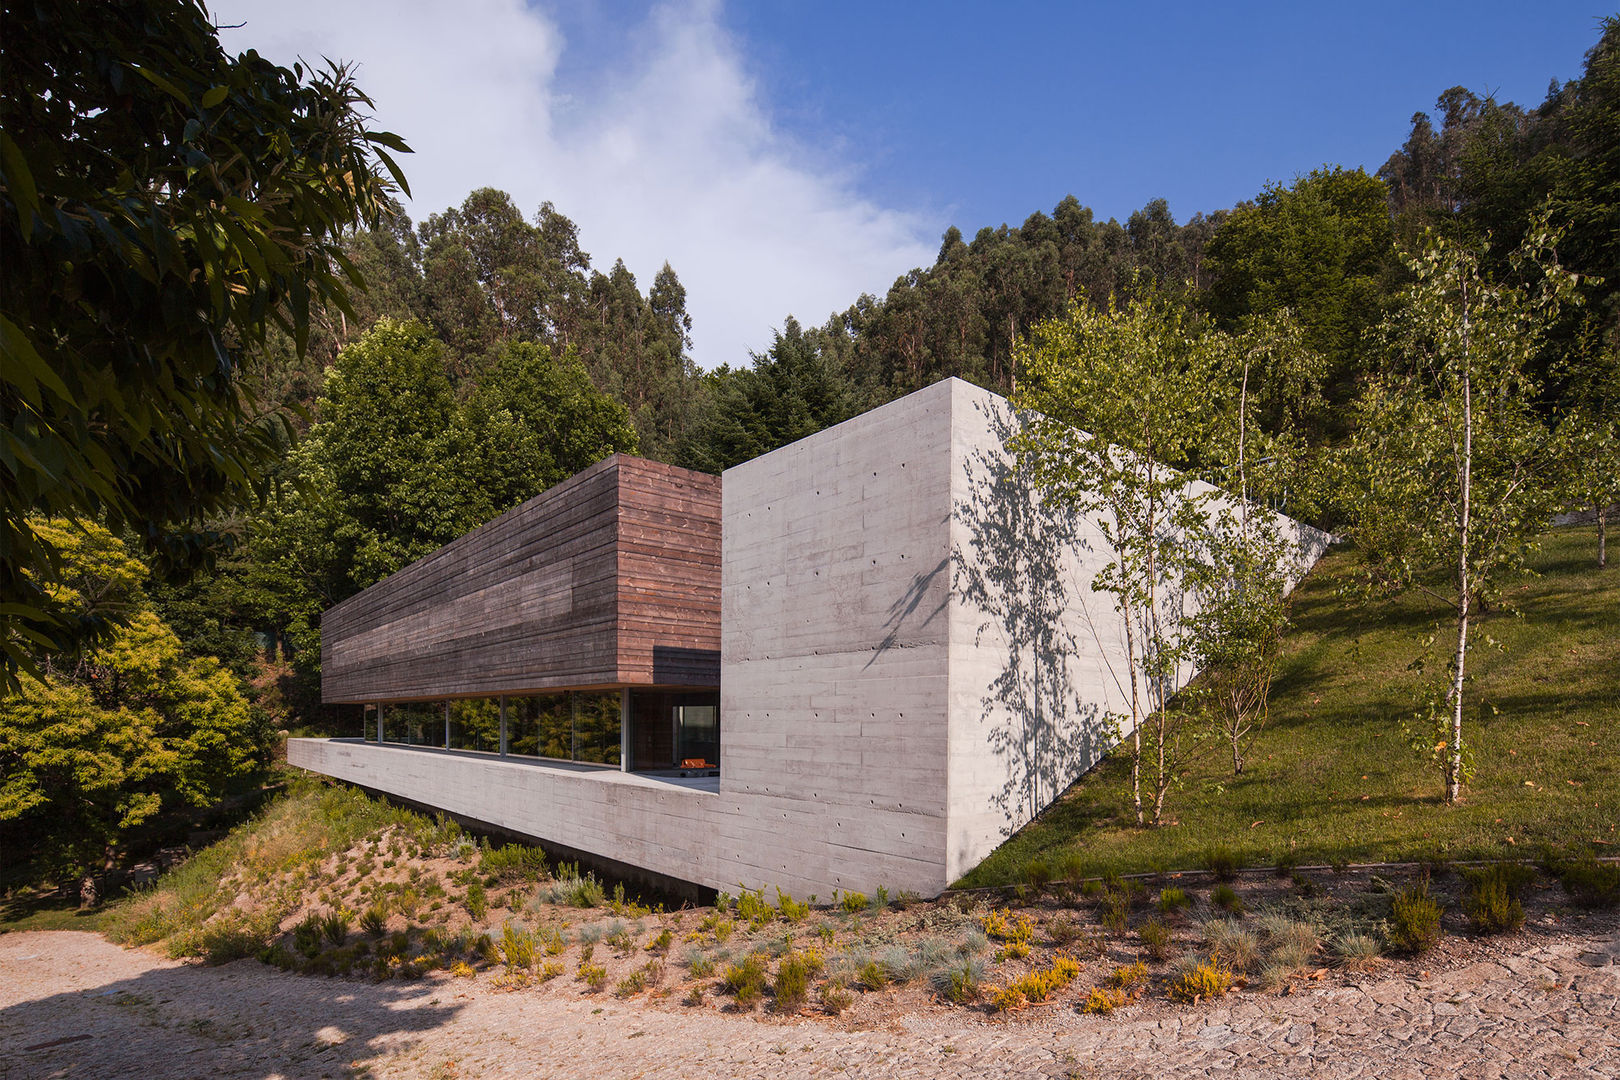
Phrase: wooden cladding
[611,578]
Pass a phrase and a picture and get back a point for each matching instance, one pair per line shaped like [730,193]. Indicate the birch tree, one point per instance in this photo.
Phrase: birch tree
[1122,403]
[1453,474]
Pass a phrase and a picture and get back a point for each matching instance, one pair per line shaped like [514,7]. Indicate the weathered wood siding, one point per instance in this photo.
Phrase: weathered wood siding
[669,575]
[580,586]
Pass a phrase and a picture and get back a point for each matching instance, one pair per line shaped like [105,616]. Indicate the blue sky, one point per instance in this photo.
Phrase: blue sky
[787,156]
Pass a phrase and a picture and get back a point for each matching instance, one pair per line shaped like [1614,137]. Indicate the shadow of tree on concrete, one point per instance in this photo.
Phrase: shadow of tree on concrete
[1010,571]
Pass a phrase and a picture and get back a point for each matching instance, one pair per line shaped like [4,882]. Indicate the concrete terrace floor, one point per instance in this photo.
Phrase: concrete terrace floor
[74,1005]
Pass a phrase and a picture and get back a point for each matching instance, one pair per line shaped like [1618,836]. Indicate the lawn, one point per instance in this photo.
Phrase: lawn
[1333,779]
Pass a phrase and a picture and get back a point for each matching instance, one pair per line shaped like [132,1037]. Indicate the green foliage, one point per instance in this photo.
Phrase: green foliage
[745,980]
[788,392]
[1493,899]
[792,987]
[1226,898]
[92,750]
[1222,861]
[1342,674]
[477,901]
[1155,937]
[163,204]
[1591,883]
[511,863]
[1174,899]
[1321,248]
[1452,471]
[1414,920]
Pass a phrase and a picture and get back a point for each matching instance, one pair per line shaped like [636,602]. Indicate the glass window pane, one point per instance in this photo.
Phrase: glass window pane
[416,724]
[596,727]
[475,724]
[540,725]
[698,726]
[368,723]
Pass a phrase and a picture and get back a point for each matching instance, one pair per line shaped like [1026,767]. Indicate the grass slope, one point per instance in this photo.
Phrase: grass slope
[1332,778]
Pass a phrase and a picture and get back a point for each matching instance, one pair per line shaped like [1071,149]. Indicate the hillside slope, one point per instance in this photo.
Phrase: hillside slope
[1332,778]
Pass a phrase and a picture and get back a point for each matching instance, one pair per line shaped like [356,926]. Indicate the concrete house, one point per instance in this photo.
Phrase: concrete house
[863,659]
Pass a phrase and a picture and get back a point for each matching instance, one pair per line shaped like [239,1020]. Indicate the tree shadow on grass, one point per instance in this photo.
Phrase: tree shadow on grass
[241,1020]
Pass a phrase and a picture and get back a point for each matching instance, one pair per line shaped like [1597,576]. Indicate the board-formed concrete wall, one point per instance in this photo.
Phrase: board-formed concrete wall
[913,665]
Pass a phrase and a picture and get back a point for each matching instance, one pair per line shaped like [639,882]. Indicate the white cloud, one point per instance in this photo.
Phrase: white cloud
[673,159]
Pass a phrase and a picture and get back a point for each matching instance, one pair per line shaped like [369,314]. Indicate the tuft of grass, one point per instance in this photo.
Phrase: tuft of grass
[1344,669]
[960,983]
[1358,952]
[1232,946]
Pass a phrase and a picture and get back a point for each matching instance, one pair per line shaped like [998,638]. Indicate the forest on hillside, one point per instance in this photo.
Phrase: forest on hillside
[490,356]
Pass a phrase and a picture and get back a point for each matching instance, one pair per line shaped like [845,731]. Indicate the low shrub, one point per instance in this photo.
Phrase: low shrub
[1036,986]
[477,901]
[1062,932]
[518,947]
[792,987]
[745,980]
[1004,925]
[1493,896]
[835,997]
[374,920]
[307,936]
[959,983]
[1226,898]
[1221,861]
[335,927]
[1101,1001]
[852,903]
[1200,980]
[1173,900]
[794,911]
[1038,872]
[1155,937]
[872,976]
[661,942]
[1414,920]
[593,976]
[1591,883]
[512,863]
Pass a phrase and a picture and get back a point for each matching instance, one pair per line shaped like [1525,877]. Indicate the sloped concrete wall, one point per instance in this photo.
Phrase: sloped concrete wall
[1038,660]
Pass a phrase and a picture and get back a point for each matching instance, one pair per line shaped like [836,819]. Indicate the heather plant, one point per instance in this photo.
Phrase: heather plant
[1155,937]
[1198,980]
[1492,899]
[1414,920]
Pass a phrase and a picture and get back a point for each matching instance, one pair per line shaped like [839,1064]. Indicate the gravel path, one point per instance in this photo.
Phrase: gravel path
[74,1006]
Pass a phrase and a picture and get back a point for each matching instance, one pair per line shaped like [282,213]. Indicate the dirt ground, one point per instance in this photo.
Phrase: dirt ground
[73,1005]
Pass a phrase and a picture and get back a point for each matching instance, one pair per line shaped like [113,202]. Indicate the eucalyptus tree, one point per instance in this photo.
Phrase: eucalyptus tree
[1452,472]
